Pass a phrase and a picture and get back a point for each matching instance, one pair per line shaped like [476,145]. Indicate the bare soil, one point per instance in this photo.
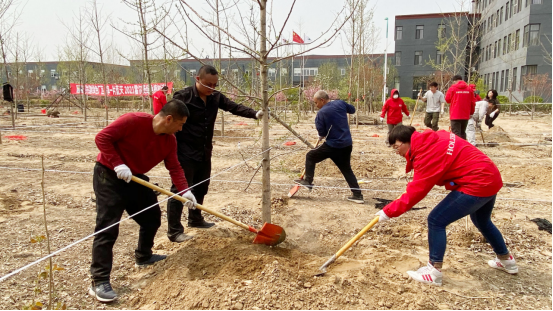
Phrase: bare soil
[221,269]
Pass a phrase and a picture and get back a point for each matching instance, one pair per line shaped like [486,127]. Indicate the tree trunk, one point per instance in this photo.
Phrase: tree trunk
[266,196]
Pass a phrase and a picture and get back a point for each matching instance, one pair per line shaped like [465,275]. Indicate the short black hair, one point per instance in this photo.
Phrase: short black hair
[164,88]
[402,133]
[434,84]
[207,69]
[175,108]
[457,78]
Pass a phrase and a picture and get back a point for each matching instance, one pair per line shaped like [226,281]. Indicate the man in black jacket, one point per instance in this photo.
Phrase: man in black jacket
[194,145]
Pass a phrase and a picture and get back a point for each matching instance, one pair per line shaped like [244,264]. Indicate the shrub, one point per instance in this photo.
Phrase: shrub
[533,99]
[503,99]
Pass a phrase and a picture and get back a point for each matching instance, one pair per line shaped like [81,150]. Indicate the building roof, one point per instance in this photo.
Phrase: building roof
[435,15]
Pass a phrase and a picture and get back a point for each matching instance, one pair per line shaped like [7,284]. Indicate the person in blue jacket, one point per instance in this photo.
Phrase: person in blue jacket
[332,123]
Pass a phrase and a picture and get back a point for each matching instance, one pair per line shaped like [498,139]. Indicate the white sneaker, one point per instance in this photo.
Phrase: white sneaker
[427,275]
[508,265]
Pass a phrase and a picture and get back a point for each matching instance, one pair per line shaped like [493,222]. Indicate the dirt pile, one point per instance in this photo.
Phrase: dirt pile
[498,135]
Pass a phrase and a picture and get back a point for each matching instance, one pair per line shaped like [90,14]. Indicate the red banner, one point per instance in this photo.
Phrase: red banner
[117,89]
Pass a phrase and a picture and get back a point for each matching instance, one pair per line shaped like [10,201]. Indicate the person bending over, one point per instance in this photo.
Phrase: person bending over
[441,158]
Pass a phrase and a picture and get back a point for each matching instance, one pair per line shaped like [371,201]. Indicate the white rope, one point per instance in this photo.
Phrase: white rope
[117,223]
[273,184]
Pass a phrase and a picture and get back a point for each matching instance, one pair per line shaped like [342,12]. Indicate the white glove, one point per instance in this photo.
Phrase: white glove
[259,114]
[191,203]
[419,95]
[381,119]
[382,217]
[123,172]
[492,114]
[442,110]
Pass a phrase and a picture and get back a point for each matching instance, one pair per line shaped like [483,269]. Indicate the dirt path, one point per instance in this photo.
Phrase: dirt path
[221,269]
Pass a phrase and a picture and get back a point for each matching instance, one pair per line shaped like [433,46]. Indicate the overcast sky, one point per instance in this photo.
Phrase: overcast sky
[42,20]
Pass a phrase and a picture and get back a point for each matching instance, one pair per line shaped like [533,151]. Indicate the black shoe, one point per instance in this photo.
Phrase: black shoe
[102,291]
[304,183]
[181,237]
[357,198]
[155,258]
[200,224]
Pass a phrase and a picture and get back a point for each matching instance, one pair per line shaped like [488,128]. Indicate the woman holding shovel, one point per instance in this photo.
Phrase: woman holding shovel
[442,158]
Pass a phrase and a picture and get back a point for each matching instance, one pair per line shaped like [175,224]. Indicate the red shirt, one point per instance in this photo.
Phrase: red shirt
[131,140]
[394,107]
[462,100]
[159,100]
[442,158]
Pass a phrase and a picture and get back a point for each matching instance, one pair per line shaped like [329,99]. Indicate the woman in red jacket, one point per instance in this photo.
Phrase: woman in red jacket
[442,158]
[393,106]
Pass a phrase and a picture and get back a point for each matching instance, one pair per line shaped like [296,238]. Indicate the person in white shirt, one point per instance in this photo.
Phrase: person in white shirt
[475,122]
[435,101]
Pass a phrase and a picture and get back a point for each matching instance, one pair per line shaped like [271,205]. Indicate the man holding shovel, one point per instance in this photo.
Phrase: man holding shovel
[332,122]
[434,105]
[195,145]
[132,145]
[441,158]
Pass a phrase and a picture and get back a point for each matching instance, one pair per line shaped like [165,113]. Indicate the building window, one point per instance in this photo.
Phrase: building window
[192,72]
[531,35]
[52,73]
[517,39]
[495,49]
[509,42]
[511,8]
[507,80]
[499,49]
[272,72]
[398,58]
[297,72]
[537,1]
[505,45]
[502,80]
[439,57]
[507,11]
[310,72]
[283,72]
[418,57]
[419,32]
[441,31]
[493,81]
[176,73]
[399,32]
[500,15]
[343,72]
[514,85]
[396,83]
[496,80]
[484,28]
[527,71]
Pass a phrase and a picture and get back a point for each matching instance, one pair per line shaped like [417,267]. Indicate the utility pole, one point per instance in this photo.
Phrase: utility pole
[385,63]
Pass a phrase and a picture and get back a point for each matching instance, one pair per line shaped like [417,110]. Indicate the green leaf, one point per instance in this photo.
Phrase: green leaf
[43,275]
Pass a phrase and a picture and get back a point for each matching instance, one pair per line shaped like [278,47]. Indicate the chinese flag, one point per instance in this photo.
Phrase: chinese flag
[296,37]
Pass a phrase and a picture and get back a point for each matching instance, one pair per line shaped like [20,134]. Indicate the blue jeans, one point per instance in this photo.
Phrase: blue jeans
[455,206]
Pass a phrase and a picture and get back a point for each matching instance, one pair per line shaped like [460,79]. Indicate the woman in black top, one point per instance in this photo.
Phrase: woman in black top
[493,108]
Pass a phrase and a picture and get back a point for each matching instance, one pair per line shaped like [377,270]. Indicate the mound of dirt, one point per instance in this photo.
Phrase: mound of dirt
[497,134]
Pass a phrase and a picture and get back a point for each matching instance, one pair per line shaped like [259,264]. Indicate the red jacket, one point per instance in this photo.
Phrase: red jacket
[394,108]
[462,100]
[131,140]
[442,158]
[159,100]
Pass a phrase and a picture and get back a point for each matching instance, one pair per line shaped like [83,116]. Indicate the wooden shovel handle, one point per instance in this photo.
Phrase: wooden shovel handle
[415,110]
[316,145]
[357,237]
[199,206]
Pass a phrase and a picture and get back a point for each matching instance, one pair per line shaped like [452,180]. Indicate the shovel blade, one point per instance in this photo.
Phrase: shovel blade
[294,190]
[270,235]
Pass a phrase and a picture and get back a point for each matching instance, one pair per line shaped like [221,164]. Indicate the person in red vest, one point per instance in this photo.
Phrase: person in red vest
[393,107]
[462,102]
[160,99]
[476,92]
[132,145]
[441,158]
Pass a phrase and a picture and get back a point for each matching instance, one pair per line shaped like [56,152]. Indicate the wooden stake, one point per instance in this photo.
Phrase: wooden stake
[415,110]
[50,282]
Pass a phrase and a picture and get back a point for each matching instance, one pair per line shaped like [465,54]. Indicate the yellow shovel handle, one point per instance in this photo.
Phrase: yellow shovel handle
[178,197]
[357,237]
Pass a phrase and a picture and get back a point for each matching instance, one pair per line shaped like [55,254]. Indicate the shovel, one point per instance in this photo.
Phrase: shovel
[347,246]
[415,110]
[296,188]
[269,234]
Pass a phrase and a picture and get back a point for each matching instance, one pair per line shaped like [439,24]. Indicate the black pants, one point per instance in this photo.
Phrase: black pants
[113,197]
[340,156]
[195,172]
[489,121]
[459,128]
[431,120]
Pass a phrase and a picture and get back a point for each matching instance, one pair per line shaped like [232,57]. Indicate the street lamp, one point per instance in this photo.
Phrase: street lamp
[385,63]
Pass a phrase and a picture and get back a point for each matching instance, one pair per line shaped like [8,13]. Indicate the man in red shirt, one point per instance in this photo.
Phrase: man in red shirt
[133,145]
[160,99]
[441,158]
[461,97]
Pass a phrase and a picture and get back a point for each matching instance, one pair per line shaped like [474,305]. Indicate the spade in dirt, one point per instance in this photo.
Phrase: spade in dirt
[269,234]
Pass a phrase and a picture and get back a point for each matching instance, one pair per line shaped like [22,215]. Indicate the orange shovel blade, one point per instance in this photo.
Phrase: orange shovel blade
[293,190]
[270,235]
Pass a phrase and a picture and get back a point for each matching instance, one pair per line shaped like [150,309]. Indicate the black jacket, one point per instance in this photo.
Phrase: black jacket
[194,142]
